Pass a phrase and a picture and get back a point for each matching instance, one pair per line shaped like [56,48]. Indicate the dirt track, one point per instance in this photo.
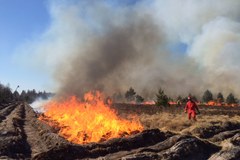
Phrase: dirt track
[23,136]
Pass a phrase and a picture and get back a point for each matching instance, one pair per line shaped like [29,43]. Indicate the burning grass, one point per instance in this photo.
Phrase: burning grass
[88,121]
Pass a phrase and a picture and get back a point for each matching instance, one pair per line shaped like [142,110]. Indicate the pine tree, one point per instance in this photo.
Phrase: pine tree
[139,99]
[207,96]
[162,98]
[130,94]
[5,93]
[220,98]
[231,99]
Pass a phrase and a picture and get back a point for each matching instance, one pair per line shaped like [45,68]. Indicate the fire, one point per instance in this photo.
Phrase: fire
[172,103]
[149,102]
[88,121]
[213,103]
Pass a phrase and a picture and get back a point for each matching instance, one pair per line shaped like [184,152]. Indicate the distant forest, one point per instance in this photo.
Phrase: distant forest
[7,95]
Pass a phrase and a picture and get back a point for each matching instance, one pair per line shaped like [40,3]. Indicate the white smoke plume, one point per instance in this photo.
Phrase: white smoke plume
[99,45]
[38,104]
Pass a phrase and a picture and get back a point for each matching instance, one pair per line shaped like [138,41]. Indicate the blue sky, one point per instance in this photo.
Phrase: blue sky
[20,21]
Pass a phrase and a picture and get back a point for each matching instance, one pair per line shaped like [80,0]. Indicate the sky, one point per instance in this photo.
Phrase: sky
[20,22]
[182,46]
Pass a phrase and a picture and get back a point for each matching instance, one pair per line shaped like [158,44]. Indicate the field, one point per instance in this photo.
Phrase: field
[168,135]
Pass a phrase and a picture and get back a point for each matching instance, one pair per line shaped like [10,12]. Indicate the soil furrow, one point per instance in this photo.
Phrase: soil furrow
[12,136]
[6,111]
[39,135]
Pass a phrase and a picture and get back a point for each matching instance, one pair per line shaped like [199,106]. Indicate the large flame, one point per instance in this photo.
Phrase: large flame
[87,121]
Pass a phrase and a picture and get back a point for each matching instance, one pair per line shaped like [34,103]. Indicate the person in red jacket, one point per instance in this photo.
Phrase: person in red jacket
[191,108]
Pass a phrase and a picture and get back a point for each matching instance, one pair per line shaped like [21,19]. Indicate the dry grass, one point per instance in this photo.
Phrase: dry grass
[212,120]
[179,123]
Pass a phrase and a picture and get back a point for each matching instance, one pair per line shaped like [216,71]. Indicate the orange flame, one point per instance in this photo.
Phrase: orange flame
[89,121]
[213,103]
[172,103]
[149,102]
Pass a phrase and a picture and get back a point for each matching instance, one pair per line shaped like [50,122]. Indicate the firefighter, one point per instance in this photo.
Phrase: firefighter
[192,109]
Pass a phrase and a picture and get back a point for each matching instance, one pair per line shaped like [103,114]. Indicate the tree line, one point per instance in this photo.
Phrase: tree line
[230,99]
[162,99]
[7,95]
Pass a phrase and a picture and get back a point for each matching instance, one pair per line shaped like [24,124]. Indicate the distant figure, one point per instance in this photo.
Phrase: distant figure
[191,107]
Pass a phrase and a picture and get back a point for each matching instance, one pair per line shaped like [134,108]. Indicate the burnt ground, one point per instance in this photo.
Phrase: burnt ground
[23,136]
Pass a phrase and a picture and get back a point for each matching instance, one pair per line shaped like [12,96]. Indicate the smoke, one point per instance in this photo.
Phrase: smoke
[183,47]
[128,52]
[38,104]
[114,60]
[217,51]
[210,29]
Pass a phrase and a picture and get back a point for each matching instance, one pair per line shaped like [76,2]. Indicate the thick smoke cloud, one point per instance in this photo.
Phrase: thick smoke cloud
[109,61]
[211,31]
[217,51]
[130,51]
[102,46]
